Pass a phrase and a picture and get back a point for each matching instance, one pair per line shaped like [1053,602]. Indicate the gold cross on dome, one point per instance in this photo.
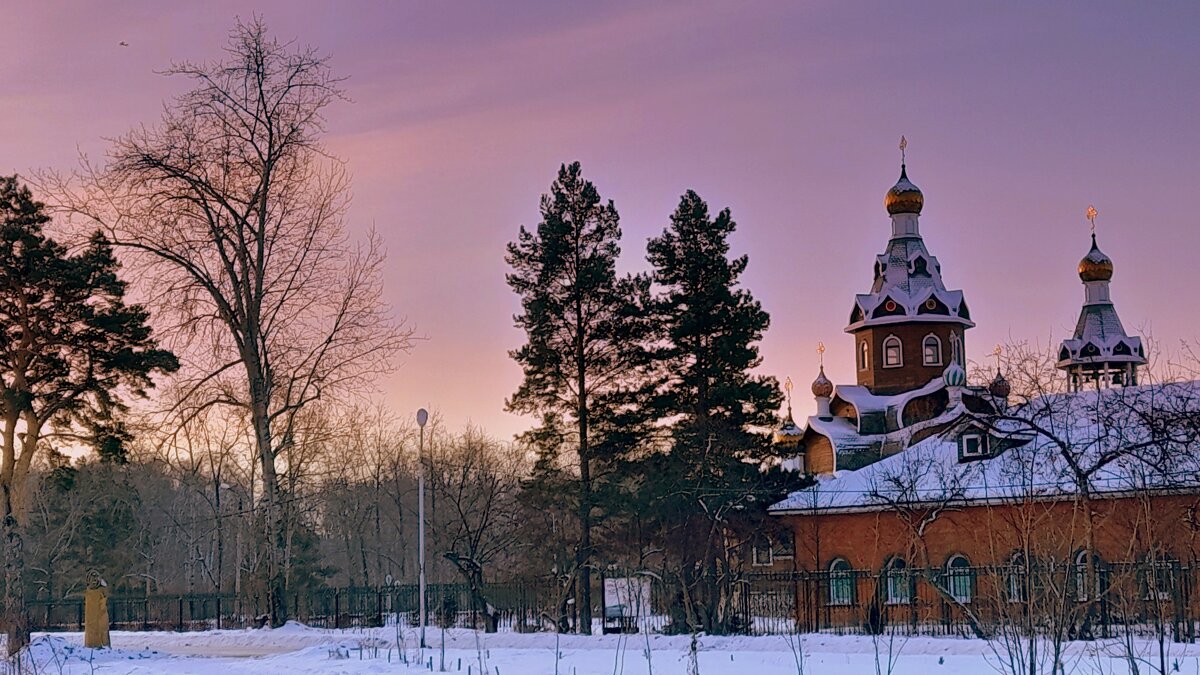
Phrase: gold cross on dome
[787,385]
[903,147]
[821,353]
[1091,216]
[996,353]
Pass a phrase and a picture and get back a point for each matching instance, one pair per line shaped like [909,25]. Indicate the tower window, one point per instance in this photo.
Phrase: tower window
[932,351]
[893,353]
[862,356]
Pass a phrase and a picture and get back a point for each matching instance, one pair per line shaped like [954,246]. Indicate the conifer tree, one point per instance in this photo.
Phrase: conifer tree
[581,322]
[70,350]
[718,410]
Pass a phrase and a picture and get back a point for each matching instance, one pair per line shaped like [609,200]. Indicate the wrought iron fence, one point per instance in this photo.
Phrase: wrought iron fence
[1105,599]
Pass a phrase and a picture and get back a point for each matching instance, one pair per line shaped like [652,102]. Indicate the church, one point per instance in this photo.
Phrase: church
[933,494]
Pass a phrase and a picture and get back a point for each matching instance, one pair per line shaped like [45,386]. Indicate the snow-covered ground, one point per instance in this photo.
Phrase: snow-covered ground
[296,649]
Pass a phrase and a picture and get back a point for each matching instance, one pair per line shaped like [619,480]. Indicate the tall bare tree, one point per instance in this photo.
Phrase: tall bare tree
[234,210]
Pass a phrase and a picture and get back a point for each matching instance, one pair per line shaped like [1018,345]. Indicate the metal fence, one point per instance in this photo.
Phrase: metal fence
[963,601]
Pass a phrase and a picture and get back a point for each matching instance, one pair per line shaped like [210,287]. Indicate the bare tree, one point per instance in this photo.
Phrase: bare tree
[477,481]
[233,211]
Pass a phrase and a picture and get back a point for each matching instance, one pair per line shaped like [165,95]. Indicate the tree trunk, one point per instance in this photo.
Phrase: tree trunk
[276,544]
[16,619]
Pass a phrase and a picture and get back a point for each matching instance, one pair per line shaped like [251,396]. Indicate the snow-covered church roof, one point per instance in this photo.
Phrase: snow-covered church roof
[1128,439]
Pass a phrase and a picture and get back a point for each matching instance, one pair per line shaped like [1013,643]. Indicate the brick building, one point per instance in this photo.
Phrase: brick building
[926,482]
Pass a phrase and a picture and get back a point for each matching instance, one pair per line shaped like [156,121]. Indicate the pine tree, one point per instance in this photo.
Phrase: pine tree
[581,322]
[70,348]
[711,478]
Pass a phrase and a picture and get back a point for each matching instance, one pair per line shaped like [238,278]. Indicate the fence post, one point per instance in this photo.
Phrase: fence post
[180,614]
[79,614]
[218,611]
[337,608]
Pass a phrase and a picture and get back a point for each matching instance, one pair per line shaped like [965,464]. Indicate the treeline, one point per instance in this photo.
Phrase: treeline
[218,435]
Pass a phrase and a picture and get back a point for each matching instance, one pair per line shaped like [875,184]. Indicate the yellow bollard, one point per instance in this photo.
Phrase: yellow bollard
[95,617]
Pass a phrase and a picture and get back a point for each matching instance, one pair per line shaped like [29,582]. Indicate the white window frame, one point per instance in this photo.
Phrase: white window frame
[898,582]
[840,584]
[1016,579]
[959,580]
[925,345]
[889,342]
[1082,587]
[756,558]
[980,445]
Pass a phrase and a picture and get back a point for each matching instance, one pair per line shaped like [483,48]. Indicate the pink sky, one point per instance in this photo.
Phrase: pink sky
[1018,116]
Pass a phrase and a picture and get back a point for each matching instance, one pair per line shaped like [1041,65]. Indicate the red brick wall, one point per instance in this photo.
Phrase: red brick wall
[913,373]
[1124,530]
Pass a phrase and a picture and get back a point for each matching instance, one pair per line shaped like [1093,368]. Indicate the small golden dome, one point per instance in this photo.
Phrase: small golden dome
[1000,388]
[822,387]
[904,197]
[1095,266]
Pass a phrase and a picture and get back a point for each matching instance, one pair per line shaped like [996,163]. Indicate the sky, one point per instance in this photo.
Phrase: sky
[1018,116]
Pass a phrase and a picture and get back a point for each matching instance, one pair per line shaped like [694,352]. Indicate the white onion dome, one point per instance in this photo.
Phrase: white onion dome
[1095,266]
[904,197]
[1000,388]
[954,375]
[822,387]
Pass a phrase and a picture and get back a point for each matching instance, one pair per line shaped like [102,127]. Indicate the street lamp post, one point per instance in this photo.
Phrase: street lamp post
[422,418]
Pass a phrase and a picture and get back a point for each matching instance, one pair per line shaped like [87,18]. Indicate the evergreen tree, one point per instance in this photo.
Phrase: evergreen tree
[581,322]
[710,484]
[70,348]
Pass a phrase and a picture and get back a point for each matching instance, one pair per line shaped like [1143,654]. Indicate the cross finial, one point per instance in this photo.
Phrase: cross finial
[787,386]
[903,147]
[821,353]
[1091,216]
[996,353]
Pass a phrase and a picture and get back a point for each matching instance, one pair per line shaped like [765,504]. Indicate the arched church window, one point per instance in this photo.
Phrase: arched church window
[893,352]
[932,350]
[841,583]
[960,578]
[862,356]
[899,582]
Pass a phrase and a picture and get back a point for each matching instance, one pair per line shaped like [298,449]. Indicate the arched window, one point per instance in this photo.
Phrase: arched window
[1016,578]
[893,352]
[931,350]
[960,579]
[1161,574]
[862,355]
[898,582]
[841,582]
[1084,582]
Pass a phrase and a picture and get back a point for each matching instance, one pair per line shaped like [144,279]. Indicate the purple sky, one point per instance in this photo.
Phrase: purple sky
[1018,116]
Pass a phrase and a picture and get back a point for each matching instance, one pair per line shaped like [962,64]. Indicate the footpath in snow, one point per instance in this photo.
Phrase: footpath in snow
[295,649]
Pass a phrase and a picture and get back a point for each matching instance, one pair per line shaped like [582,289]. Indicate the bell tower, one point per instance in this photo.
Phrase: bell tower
[907,327]
[1100,354]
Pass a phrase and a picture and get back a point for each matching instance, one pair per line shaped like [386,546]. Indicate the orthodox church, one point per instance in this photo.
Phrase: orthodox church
[909,334]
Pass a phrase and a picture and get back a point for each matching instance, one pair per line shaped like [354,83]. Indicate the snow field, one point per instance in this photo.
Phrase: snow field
[296,649]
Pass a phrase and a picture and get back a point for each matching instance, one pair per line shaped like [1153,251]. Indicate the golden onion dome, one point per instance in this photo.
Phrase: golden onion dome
[789,435]
[1095,266]
[822,387]
[904,197]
